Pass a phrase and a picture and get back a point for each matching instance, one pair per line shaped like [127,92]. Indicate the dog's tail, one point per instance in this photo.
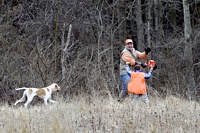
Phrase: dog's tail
[23,88]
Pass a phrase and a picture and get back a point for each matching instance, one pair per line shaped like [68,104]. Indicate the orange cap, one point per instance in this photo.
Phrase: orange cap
[128,41]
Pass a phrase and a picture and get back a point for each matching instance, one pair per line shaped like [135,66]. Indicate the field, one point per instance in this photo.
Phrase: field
[84,114]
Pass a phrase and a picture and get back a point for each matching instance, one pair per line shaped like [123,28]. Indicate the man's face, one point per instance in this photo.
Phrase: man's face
[129,46]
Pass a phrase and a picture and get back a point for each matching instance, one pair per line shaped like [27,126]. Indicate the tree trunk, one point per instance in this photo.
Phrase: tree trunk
[140,26]
[149,30]
[188,50]
[149,23]
[156,20]
[64,50]
[173,20]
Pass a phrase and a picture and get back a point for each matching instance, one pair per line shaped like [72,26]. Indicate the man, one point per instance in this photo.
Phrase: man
[137,84]
[129,54]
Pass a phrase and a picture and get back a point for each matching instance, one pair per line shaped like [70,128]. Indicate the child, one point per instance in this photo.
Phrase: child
[137,84]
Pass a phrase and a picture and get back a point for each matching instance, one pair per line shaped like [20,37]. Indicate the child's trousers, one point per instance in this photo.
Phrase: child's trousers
[143,96]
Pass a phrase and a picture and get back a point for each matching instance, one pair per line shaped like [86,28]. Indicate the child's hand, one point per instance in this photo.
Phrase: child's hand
[151,69]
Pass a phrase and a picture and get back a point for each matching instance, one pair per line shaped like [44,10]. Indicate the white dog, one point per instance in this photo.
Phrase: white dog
[43,93]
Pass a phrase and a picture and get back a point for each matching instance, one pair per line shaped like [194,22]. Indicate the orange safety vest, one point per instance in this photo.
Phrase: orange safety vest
[137,83]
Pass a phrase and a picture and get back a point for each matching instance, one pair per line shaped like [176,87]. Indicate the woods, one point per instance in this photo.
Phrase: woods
[77,44]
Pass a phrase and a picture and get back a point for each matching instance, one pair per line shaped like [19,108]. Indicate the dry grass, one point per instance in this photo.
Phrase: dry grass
[99,115]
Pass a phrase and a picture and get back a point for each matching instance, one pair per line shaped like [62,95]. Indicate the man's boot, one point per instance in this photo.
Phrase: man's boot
[122,95]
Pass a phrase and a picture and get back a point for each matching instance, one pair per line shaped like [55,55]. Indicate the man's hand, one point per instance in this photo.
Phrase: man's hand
[143,65]
[147,50]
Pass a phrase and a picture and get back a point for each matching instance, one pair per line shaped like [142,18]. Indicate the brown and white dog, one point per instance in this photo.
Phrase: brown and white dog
[43,93]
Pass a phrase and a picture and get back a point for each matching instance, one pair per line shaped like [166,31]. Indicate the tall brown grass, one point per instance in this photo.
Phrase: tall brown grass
[88,114]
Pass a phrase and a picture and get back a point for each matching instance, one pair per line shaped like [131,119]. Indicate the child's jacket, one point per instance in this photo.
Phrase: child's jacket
[137,83]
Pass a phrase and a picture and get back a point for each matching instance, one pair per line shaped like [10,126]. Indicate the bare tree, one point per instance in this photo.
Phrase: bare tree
[149,23]
[140,25]
[65,48]
[157,23]
[188,50]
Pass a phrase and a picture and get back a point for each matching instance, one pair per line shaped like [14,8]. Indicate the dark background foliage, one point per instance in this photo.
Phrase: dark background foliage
[34,34]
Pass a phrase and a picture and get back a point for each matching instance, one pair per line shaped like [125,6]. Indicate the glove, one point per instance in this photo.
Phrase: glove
[147,50]
[155,67]
[143,65]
